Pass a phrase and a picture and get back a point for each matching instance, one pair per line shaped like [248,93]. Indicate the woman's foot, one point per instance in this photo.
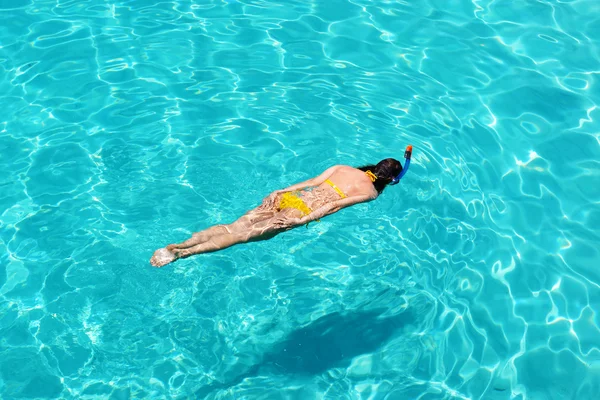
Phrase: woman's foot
[162,257]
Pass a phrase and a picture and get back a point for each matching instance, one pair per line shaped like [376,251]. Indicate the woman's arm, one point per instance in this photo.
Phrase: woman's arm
[335,206]
[316,181]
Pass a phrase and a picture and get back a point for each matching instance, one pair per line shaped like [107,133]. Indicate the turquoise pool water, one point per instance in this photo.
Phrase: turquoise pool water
[125,126]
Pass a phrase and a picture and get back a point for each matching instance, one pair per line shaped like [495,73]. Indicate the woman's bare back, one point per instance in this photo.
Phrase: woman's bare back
[351,181]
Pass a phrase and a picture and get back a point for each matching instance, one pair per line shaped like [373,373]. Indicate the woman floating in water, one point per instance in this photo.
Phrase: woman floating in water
[338,187]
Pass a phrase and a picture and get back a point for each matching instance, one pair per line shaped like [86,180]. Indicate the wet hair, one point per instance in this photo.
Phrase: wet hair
[385,171]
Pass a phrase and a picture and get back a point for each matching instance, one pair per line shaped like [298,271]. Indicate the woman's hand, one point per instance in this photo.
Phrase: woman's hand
[269,201]
[286,222]
[295,222]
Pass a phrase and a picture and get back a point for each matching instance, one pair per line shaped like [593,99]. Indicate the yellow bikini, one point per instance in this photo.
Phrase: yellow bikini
[337,189]
[371,175]
[293,200]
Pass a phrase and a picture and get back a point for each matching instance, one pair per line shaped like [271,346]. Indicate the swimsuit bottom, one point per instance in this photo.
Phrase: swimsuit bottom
[293,200]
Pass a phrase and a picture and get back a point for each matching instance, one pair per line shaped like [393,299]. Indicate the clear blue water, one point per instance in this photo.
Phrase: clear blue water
[125,126]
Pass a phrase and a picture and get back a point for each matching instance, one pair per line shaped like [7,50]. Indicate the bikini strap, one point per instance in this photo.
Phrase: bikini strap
[337,189]
[371,176]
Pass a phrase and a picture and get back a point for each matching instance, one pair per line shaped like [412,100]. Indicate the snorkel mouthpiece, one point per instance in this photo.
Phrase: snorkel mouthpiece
[407,155]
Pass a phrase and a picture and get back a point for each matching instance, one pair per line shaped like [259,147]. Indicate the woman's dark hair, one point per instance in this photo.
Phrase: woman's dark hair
[385,171]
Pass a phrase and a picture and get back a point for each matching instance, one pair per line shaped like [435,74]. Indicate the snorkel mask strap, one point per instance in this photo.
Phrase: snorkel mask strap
[407,155]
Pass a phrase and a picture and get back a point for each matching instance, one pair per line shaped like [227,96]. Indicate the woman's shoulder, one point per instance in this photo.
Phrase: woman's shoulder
[355,178]
[345,167]
[345,171]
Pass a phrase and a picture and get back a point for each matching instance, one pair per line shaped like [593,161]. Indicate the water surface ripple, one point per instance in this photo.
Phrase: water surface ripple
[128,125]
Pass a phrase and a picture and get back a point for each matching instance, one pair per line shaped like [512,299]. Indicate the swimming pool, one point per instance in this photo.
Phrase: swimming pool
[126,126]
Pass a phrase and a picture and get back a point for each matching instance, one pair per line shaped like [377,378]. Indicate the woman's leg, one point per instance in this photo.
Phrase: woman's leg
[227,235]
[200,237]
[241,232]
[213,244]
[248,219]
